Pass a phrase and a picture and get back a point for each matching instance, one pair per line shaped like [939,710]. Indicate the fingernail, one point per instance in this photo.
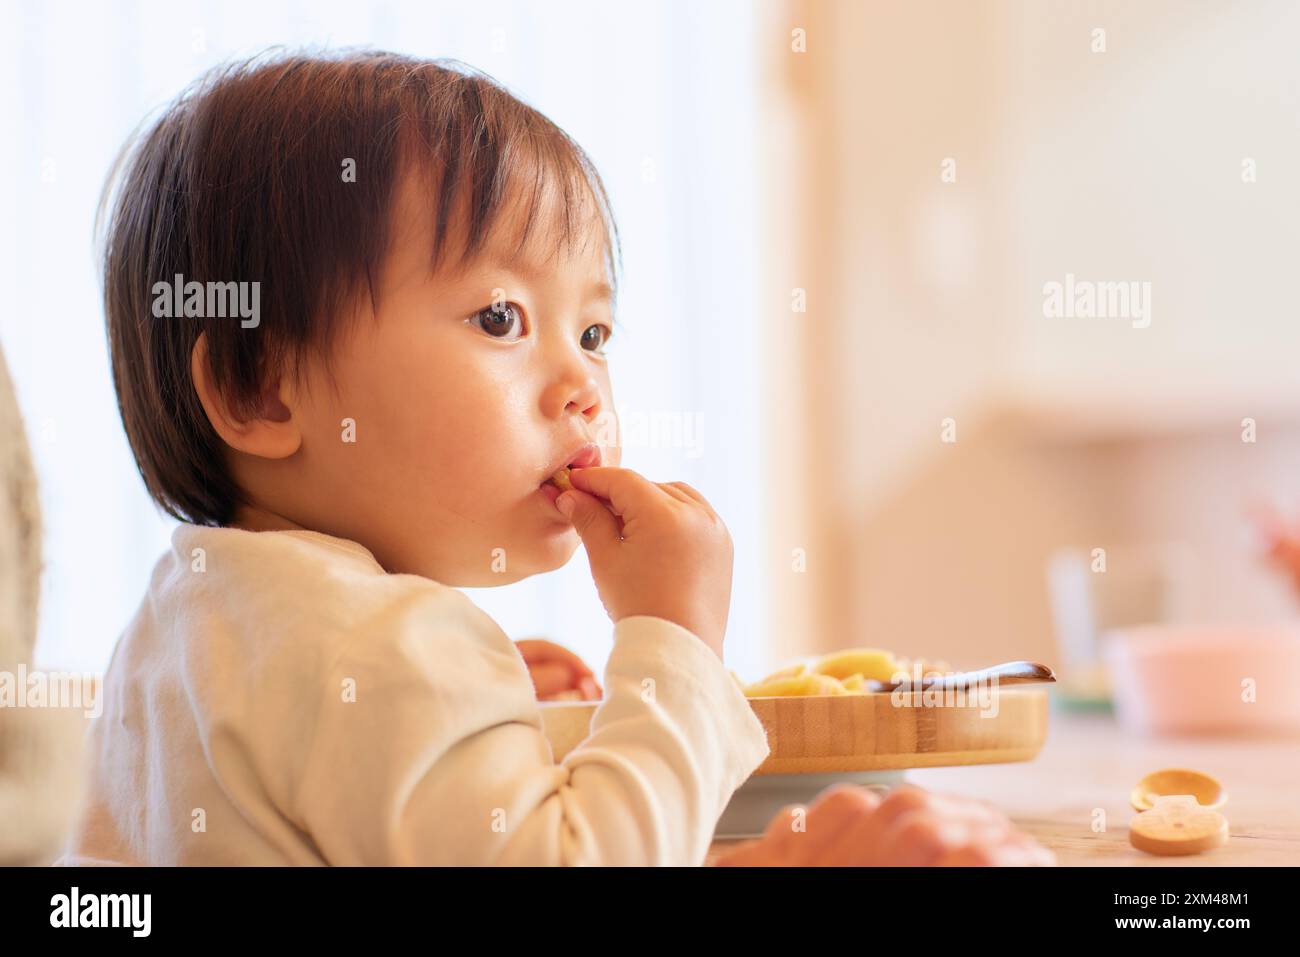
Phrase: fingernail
[565,504]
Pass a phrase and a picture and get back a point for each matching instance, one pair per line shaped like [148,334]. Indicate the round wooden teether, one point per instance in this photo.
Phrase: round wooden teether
[1206,789]
[1177,824]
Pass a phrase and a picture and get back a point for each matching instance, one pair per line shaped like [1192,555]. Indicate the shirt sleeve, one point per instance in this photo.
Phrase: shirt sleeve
[428,749]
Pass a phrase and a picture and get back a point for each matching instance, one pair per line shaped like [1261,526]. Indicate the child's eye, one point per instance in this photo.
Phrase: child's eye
[498,320]
[597,342]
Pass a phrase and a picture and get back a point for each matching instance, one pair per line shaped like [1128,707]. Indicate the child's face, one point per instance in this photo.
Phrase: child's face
[460,412]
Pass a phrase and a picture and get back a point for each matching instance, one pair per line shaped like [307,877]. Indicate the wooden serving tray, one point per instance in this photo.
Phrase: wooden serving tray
[818,734]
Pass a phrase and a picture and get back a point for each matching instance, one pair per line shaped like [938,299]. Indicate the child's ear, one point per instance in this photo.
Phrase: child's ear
[271,432]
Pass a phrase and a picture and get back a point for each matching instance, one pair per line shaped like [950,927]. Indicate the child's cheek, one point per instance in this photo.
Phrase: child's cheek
[480,463]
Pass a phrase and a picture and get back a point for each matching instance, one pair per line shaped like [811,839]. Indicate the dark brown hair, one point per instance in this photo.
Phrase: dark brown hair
[242,180]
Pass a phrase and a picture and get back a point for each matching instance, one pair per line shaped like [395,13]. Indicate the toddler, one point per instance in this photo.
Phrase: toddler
[358,308]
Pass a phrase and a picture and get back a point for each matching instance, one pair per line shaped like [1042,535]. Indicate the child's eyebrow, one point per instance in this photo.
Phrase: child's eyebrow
[598,291]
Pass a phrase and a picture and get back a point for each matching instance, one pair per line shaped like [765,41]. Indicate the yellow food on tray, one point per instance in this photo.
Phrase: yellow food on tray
[874,664]
[839,673]
[797,685]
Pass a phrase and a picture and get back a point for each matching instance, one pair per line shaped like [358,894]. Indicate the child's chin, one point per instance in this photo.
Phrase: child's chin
[559,547]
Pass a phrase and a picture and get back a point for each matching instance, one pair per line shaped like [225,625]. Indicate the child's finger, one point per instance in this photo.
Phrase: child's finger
[550,677]
[592,519]
[694,496]
[831,812]
[540,650]
[621,488]
[957,807]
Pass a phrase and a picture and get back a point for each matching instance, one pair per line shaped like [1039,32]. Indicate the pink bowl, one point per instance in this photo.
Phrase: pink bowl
[1178,679]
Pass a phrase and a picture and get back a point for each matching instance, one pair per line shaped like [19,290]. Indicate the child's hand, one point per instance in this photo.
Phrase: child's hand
[558,674]
[655,549]
[851,826]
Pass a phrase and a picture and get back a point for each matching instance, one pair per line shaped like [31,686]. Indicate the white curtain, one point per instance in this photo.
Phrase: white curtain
[662,95]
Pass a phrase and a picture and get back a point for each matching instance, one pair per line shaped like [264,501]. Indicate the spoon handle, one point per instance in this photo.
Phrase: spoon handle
[1007,673]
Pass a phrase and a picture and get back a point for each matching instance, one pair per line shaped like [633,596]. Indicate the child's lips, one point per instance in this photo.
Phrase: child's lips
[587,457]
[584,457]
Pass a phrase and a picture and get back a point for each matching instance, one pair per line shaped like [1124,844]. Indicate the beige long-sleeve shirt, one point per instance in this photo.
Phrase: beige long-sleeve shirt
[280,698]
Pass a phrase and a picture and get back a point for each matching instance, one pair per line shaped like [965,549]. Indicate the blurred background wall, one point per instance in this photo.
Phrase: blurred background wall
[932,167]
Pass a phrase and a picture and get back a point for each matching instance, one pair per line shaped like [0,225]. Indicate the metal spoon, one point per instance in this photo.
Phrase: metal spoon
[1007,673]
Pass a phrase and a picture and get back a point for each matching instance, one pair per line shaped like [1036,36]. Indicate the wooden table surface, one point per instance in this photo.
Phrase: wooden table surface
[1089,762]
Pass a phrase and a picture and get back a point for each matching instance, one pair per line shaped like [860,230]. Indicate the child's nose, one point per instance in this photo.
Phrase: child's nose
[575,395]
[586,400]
